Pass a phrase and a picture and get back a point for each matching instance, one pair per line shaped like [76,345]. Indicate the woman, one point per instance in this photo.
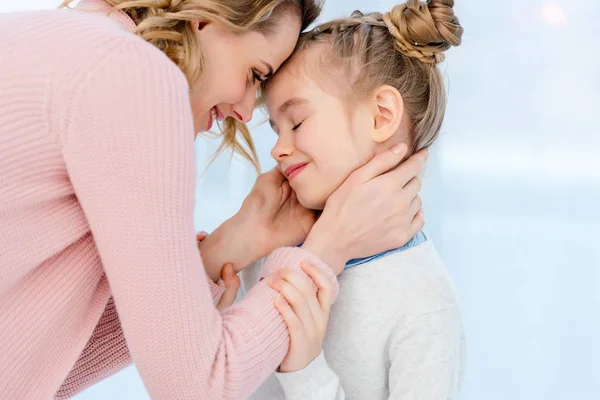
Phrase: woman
[97,122]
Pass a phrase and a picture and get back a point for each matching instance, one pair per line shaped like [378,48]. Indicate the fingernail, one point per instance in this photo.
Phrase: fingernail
[399,148]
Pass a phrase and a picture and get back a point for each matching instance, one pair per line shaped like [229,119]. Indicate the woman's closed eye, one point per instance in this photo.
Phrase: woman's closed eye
[256,77]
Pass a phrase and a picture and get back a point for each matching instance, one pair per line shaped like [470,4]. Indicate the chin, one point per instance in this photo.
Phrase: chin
[312,202]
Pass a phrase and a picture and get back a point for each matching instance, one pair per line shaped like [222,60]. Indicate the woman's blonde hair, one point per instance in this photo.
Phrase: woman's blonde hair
[400,48]
[165,24]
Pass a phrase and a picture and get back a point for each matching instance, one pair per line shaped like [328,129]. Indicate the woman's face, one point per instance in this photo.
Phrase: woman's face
[320,139]
[233,67]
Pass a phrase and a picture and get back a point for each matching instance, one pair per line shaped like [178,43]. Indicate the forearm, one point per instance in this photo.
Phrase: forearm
[105,354]
[228,244]
[323,245]
[316,381]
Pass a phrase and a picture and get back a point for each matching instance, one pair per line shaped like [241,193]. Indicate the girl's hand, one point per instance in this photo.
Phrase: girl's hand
[304,313]
[375,209]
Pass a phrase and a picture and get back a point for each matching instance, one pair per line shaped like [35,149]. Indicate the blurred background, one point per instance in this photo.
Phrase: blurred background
[512,195]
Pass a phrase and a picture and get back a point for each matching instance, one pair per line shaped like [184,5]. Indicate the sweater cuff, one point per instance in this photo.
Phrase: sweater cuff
[307,382]
[294,257]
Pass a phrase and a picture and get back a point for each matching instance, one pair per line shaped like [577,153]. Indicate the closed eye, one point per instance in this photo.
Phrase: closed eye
[256,76]
[297,126]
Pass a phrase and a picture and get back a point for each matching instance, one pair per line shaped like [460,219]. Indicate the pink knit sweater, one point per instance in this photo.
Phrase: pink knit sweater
[97,179]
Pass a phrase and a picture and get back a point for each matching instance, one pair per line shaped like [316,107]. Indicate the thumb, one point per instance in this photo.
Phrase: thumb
[232,284]
[381,163]
[276,176]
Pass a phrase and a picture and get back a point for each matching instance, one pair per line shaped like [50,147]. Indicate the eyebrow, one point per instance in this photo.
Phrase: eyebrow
[269,67]
[291,103]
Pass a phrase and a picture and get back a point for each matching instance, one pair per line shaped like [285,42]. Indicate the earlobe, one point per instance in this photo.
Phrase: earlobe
[388,113]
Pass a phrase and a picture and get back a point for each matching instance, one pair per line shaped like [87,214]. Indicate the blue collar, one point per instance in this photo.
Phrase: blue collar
[417,240]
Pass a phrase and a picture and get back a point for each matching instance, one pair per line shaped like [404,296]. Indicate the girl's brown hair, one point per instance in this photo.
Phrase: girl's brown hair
[400,48]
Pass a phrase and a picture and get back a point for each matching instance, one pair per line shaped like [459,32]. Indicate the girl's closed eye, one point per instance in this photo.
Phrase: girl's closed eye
[296,126]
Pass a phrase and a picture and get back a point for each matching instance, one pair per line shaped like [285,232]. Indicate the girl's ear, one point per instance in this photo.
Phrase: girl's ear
[389,109]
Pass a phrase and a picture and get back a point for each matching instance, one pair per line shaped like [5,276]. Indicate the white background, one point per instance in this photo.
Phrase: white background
[512,196]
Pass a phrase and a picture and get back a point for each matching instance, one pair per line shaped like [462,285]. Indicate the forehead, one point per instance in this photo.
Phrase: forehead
[295,78]
[276,46]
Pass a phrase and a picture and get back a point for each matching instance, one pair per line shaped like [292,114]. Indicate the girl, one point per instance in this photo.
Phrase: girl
[99,267]
[396,330]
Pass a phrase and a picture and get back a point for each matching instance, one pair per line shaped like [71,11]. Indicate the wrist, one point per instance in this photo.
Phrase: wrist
[323,245]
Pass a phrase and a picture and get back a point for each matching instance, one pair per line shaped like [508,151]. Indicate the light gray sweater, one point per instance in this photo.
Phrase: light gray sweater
[395,332]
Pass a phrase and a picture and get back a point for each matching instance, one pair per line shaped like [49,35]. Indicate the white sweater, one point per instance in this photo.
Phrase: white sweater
[395,332]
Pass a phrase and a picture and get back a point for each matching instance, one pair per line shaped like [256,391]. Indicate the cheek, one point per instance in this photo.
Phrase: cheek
[229,84]
[223,78]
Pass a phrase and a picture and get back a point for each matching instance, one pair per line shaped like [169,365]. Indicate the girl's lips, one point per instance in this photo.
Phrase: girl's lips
[294,170]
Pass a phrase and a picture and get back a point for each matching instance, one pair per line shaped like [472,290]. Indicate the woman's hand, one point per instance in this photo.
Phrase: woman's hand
[305,314]
[270,217]
[230,279]
[375,209]
[232,284]
[273,212]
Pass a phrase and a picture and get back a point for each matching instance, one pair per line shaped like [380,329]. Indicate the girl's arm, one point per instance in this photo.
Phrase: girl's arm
[426,357]
[305,373]
[316,381]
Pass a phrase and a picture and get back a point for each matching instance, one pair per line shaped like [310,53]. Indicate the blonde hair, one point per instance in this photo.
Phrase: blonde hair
[165,24]
[400,48]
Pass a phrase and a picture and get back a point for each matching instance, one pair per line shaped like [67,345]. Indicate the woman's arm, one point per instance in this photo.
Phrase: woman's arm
[426,357]
[105,354]
[127,138]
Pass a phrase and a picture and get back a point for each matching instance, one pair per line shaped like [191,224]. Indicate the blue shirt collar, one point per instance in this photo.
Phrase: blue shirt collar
[417,240]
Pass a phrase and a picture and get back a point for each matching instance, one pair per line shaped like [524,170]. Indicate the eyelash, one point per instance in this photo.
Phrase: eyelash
[297,126]
[256,77]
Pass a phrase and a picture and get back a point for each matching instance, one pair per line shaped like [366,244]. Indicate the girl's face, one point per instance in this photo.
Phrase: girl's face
[321,139]
[233,67]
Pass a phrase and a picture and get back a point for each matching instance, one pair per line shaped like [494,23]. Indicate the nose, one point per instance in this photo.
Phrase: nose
[283,148]
[242,110]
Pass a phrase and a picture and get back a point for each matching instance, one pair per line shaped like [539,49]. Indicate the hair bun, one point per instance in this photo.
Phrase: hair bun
[424,30]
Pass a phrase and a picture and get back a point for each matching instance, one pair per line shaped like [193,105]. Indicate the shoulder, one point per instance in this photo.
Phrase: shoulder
[86,44]
[416,280]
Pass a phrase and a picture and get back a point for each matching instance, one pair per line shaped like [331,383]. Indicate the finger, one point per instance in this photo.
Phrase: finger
[295,300]
[412,188]
[275,175]
[290,319]
[418,223]
[200,236]
[232,285]
[415,206]
[409,169]
[324,287]
[380,164]
[303,286]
